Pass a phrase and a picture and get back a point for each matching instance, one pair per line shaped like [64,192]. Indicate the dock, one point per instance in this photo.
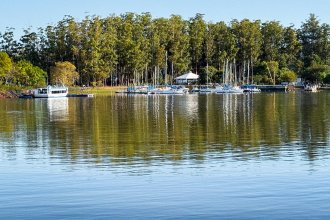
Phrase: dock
[81,95]
[27,96]
[274,88]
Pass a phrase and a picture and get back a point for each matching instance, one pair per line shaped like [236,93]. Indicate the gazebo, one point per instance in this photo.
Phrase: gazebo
[187,78]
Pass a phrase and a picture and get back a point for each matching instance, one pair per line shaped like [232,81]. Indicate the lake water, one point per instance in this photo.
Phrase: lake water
[251,156]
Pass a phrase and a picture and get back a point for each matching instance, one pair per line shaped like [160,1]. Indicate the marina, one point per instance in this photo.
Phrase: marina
[155,156]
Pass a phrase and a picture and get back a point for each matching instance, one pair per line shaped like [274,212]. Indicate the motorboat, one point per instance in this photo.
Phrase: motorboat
[250,88]
[310,88]
[229,89]
[170,90]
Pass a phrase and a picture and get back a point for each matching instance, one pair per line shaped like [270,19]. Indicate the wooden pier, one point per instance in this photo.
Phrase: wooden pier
[27,96]
[274,88]
[81,95]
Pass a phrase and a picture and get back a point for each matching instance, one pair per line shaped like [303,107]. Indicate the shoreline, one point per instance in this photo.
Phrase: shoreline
[15,93]
[12,93]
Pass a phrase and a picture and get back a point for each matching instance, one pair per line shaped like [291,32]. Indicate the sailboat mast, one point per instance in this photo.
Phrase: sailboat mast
[165,67]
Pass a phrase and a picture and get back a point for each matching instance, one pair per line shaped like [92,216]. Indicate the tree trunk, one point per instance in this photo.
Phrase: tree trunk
[248,73]
[244,79]
[251,70]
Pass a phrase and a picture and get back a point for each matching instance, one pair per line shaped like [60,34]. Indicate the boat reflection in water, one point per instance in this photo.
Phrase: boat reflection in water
[58,109]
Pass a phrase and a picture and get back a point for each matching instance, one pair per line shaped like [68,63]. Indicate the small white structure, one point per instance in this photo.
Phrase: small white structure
[50,92]
[187,78]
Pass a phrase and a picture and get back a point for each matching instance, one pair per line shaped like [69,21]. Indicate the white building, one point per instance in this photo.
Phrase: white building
[187,78]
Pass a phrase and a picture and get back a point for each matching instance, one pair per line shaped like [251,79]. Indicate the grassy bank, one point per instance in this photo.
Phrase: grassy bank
[104,90]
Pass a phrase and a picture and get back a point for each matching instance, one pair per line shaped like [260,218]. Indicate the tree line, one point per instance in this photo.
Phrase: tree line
[138,49]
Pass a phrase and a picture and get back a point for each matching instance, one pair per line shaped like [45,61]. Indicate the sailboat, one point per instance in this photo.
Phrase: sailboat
[229,82]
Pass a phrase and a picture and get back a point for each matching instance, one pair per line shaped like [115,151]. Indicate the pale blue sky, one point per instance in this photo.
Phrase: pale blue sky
[22,14]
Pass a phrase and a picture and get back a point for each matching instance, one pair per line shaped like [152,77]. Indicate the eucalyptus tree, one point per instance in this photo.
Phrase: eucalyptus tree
[159,48]
[197,31]
[50,47]
[290,50]
[178,46]
[142,32]
[8,43]
[109,57]
[272,40]
[220,30]
[73,41]
[225,51]
[125,47]
[62,49]
[30,45]
[93,59]
[209,50]
[249,39]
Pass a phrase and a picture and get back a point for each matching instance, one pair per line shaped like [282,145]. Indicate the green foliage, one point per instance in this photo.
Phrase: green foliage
[210,72]
[272,35]
[6,66]
[287,75]
[272,68]
[26,74]
[63,73]
[197,31]
[327,78]
[135,48]
[316,73]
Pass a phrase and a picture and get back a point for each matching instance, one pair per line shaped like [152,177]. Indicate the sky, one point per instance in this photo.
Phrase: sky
[24,14]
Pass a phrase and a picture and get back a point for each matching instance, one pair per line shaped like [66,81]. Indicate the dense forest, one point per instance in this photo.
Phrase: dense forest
[138,49]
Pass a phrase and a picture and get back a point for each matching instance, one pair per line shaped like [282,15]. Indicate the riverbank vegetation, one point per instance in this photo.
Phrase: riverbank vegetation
[136,48]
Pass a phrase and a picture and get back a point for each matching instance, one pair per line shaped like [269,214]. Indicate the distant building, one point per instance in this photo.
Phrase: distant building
[187,78]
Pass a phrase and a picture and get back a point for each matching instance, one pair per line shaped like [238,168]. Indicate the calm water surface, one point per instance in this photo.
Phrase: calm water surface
[260,156]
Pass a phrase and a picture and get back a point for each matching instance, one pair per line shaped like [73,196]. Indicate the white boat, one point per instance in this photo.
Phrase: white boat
[310,88]
[170,90]
[250,88]
[50,92]
[229,89]
[195,89]
[206,89]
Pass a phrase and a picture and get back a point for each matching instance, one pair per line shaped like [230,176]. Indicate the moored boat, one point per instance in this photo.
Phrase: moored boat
[250,88]
[50,92]
[310,88]
[170,90]
[229,89]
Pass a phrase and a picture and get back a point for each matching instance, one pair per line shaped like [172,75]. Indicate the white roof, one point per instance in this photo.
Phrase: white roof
[189,75]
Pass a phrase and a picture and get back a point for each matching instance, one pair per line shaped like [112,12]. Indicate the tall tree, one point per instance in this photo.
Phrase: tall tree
[30,47]
[310,38]
[197,30]
[9,44]
[178,46]
[290,50]
[109,57]
[159,41]
[249,40]
[272,40]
